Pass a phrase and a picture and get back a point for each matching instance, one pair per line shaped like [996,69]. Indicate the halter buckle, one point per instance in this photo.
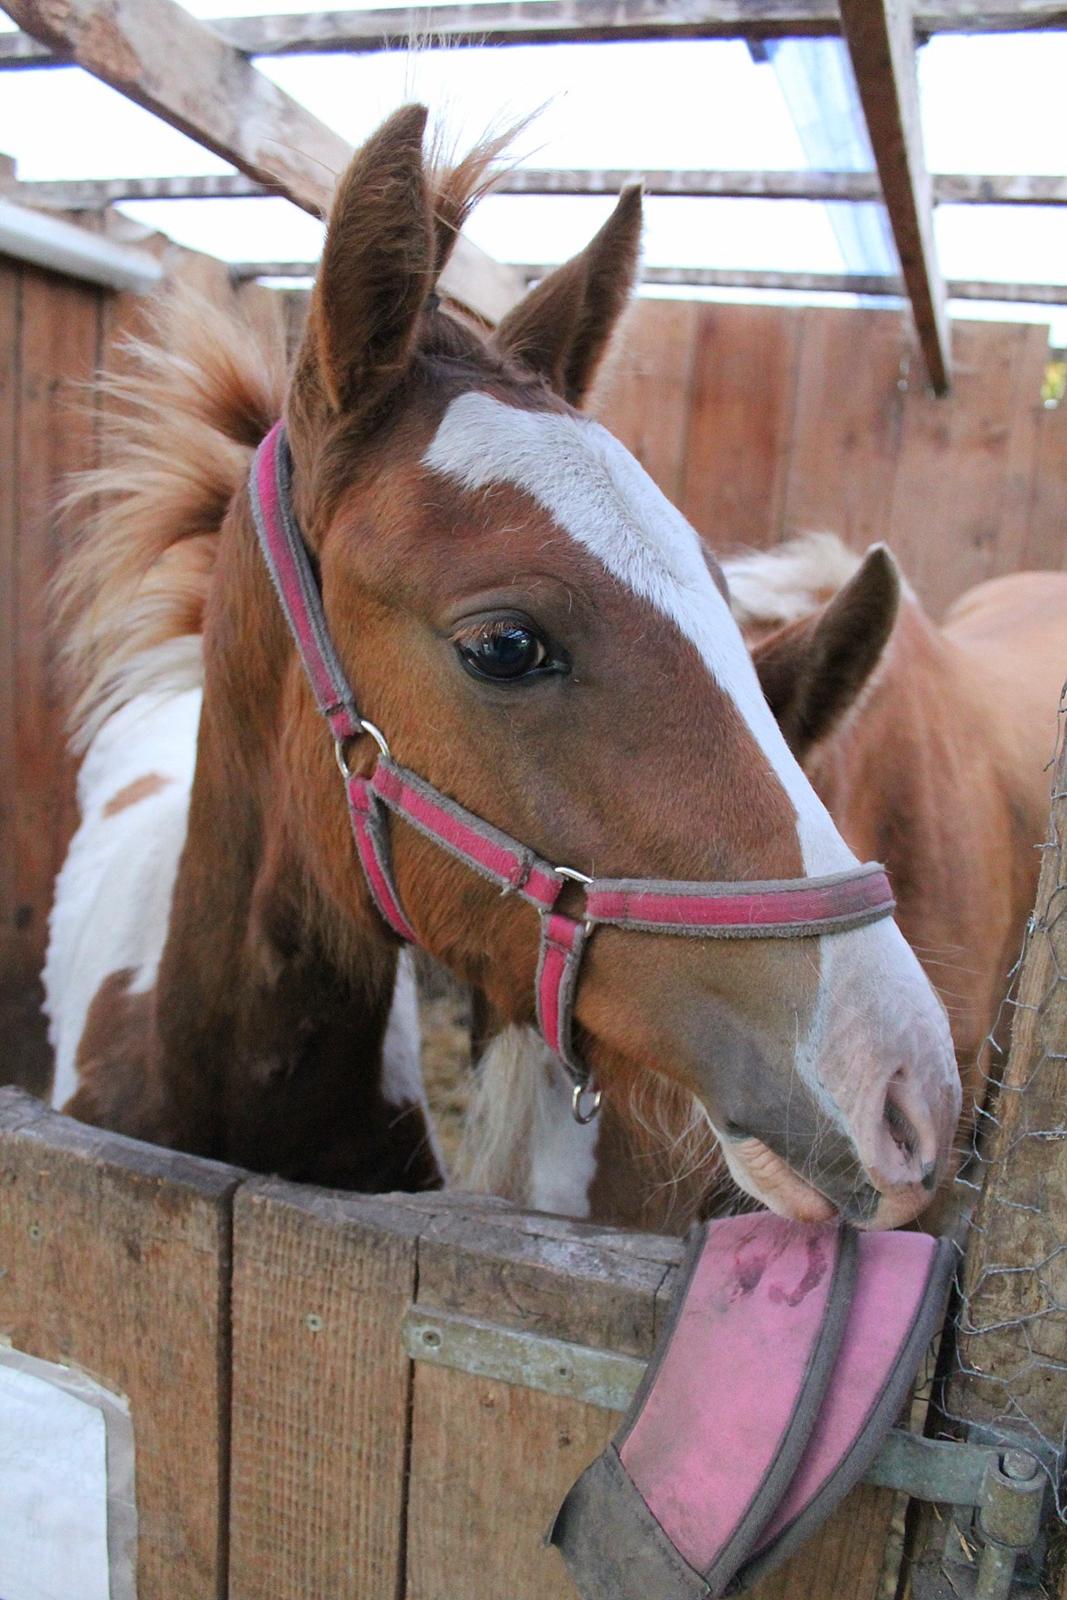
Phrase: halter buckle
[580,1091]
[340,746]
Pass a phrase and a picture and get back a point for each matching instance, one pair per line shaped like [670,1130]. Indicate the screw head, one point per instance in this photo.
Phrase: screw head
[1018,1464]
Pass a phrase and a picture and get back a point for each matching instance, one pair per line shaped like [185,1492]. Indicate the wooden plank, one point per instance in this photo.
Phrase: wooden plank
[90,194]
[880,40]
[58,350]
[846,438]
[114,1258]
[948,494]
[570,22]
[478,1514]
[1046,542]
[644,396]
[321,1392]
[13,1005]
[159,56]
[741,424]
[1023,463]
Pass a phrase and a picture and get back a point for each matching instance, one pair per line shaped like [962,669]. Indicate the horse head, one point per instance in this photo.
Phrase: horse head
[541,637]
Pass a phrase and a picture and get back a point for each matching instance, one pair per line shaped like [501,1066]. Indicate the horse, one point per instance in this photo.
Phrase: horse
[542,641]
[929,743]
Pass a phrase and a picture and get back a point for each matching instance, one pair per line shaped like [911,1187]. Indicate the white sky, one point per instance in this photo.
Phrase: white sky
[990,104]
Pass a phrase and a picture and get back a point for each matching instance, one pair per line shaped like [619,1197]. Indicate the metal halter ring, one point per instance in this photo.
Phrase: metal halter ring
[339,746]
[582,1117]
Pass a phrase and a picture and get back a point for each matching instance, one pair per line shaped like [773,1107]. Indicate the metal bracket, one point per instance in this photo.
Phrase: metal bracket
[996,1488]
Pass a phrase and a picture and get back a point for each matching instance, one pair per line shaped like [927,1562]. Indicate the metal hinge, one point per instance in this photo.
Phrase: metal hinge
[996,1487]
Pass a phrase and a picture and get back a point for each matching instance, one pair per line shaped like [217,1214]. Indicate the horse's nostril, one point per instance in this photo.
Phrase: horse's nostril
[902,1130]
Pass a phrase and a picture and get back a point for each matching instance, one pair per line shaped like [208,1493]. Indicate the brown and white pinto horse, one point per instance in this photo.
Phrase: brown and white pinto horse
[929,745]
[541,637]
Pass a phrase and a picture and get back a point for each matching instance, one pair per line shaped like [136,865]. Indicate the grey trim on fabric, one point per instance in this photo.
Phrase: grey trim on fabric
[613,1546]
[526,857]
[885,1408]
[812,929]
[344,699]
[695,889]
[572,960]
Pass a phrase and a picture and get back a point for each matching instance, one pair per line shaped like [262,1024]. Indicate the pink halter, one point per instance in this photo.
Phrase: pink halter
[798,908]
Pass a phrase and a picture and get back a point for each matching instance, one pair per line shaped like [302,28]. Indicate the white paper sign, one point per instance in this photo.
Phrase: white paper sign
[65,1524]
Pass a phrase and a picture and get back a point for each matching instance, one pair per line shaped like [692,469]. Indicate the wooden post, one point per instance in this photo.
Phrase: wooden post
[1010,1370]
[880,39]
[114,1259]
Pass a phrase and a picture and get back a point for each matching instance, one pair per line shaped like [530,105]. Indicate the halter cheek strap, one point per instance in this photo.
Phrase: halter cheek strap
[796,908]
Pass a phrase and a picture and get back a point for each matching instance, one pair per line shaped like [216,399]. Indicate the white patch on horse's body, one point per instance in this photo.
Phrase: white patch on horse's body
[563,1155]
[113,894]
[520,1140]
[598,494]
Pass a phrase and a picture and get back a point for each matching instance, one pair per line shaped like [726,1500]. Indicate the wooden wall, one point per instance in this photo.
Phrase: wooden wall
[761,422]
[758,421]
[53,332]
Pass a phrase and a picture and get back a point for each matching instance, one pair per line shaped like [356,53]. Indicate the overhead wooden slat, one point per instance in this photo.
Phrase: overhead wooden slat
[91,194]
[156,54]
[567,22]
[868,284]
[880,40]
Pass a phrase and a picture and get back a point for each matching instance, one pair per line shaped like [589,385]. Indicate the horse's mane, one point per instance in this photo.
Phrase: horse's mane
[769,588]
[180,419]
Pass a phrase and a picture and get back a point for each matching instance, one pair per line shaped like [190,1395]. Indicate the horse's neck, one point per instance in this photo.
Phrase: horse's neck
[284,1040]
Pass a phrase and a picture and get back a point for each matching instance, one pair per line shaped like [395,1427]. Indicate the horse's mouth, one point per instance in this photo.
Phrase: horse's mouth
[763,1173]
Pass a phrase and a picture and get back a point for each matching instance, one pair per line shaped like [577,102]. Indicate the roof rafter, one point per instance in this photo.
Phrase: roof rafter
[875,285]
[567,21]
[90,194]
[880,39]
[159,56]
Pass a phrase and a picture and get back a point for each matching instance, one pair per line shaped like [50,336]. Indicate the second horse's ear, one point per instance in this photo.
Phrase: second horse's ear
[812,671]
[562,328]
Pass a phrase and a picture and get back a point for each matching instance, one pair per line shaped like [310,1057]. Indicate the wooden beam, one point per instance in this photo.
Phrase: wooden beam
[92,194]
[566,22]
[159,56]
[874,285]
[880,39]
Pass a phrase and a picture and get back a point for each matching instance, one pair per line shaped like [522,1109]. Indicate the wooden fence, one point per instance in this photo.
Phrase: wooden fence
[288,1449]
[760,422]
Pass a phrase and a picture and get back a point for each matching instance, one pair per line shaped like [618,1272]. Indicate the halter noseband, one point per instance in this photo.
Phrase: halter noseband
[792,908]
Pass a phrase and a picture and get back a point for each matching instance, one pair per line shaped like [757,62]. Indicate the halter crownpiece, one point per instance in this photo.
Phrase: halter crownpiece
[792,908]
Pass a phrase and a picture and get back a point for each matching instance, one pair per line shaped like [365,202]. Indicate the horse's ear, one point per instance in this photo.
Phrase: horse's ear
[376,270]
[562,328]
[812,671]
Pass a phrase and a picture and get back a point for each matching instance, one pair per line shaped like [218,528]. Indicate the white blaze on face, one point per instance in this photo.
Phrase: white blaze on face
[604,499]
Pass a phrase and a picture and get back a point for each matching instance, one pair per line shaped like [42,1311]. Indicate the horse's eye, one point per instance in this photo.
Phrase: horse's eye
[502,650]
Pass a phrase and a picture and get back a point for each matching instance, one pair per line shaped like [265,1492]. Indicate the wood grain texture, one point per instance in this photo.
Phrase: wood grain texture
[321,1391]
[948,495]
[740,424]
[849,413]
[644,395]
[880,37]
[491,1464]
[114,1258]
[51,354]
